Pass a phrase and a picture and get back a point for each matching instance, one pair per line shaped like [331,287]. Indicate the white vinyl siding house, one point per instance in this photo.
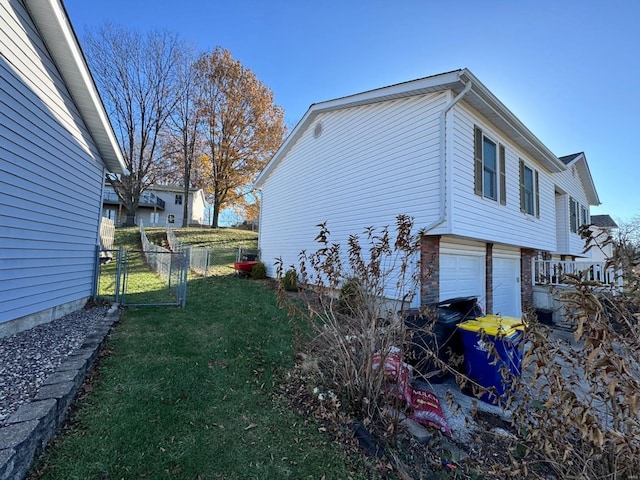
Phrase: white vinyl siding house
[489,219]
[159,205]
[370,152]
[574,193]
[56,144]
[480,186]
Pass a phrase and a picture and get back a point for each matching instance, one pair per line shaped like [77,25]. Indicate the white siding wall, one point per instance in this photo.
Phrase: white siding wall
[477,217]
[569,181]
[370,164]
[196,207]
[605,251]
[562,223]
[51,178]
[170,208]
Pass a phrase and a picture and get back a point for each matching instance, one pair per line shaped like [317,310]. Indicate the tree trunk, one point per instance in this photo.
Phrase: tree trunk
[130,220]
[185,208]
[216,213]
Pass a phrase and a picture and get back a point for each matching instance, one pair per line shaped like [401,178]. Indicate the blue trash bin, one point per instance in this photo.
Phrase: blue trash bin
[490,349]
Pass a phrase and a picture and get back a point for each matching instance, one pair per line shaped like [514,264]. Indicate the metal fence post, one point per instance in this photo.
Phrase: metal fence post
[118,273]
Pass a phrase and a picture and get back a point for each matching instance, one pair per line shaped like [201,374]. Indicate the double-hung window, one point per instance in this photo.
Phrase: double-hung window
[578,215]
[178,199]
[490,180]
[529,190]
[489,169]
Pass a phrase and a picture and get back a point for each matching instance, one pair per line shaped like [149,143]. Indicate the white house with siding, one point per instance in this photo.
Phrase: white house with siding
[488,195]
[159,205]
[56,143]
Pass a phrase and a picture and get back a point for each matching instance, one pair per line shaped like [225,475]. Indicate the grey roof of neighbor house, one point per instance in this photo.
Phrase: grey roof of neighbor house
[54,26]
[603,221]
[567,159]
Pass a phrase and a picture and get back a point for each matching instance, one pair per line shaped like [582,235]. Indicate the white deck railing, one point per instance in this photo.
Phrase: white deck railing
[554,272]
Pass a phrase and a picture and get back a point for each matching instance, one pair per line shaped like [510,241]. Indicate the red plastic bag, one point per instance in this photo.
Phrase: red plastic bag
[426,409]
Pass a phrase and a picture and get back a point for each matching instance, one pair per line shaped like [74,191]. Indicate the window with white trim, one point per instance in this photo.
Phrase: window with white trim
[578,215]
[489,177]
[529,190]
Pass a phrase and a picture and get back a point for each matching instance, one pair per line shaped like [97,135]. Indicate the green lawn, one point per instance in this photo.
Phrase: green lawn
[191,393]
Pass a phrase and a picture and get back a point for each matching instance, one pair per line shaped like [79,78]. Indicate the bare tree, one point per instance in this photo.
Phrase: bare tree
[241,127]
[627,244]
[182,134]
[137,76]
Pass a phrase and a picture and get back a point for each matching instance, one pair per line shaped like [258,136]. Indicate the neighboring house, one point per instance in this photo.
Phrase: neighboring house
[489,197]
[602,227]
[56,145]
[160,205]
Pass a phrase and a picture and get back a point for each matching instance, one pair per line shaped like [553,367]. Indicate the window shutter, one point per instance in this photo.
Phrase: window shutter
[573,220]
[522,208]
[477,153]
[503,177]
[537,194]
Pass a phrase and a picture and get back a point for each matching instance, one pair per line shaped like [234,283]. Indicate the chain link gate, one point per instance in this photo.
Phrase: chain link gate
[143,278]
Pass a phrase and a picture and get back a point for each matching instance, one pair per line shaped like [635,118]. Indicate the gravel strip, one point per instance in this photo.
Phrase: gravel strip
[27,358]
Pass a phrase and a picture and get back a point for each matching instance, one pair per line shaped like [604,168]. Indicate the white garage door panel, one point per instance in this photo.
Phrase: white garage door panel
[462,276]
[506,287]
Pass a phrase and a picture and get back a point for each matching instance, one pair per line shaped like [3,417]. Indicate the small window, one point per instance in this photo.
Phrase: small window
[573,215]
[154,218]
[584,216]
[489,176]
[529,190]
[171,219]
[110,214]
[490,167]
[178,199]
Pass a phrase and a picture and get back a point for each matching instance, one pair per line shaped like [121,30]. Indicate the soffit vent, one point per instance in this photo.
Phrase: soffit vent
[317,130]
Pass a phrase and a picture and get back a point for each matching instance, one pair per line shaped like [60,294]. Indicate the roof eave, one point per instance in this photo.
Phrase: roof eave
[52,21]
[479,98]
[492,108]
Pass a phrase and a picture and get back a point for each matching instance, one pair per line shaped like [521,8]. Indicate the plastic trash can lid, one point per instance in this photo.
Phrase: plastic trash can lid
[511,322]
[488,328]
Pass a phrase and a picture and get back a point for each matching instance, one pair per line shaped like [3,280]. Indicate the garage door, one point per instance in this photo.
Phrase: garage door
[462,276]
[506,286]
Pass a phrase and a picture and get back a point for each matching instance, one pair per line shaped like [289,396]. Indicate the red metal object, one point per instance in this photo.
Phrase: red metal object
[244,267]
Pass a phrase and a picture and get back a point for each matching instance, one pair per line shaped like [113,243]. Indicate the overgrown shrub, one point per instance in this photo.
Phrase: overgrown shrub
[259,271]
[577,412]
[352,323]
[290,280]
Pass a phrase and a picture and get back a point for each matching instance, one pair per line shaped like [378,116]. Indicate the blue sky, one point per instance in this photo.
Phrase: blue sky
[569,69]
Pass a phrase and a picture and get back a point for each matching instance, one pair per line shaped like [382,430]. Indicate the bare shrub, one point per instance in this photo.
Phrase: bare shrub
[350,306]
[577,410]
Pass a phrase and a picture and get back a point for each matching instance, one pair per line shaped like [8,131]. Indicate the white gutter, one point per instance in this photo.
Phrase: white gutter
[443,156]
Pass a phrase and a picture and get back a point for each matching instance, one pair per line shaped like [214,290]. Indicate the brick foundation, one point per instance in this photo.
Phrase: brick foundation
[526,281]
[489,277]
[429,269]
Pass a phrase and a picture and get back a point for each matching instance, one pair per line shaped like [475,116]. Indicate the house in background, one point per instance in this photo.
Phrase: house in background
[160,205]
[488,196]
[602,227]
[57,145]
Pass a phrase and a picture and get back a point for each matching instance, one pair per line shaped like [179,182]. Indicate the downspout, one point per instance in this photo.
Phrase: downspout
[443,156]
[259,191]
